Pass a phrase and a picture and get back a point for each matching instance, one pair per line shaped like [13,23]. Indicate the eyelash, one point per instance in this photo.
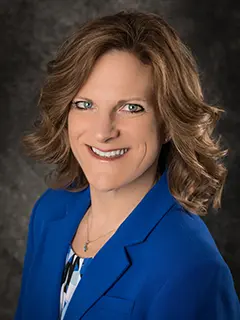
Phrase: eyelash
[75,104]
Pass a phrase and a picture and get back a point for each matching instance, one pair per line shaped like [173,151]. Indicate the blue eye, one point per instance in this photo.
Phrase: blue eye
[84,105]
[135,105]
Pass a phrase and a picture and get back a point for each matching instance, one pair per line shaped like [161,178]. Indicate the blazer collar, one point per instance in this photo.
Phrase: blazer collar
[110,262]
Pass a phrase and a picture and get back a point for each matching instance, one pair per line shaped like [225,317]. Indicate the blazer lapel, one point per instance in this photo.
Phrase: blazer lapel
[52,254]
[114,258]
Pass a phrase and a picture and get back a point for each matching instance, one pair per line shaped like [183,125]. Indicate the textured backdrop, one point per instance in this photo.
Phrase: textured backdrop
[30,32]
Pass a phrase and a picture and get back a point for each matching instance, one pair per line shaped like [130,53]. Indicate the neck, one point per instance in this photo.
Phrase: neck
[111,207]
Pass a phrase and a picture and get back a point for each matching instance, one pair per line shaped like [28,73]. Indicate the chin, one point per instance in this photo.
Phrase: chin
[104,188]
[106,184]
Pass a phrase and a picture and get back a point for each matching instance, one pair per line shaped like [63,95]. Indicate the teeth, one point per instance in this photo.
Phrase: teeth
[109,154]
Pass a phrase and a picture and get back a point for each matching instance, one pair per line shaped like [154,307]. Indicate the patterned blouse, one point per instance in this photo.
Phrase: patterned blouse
[75,267]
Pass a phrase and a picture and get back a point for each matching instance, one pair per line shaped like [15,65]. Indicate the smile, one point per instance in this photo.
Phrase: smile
[108,156]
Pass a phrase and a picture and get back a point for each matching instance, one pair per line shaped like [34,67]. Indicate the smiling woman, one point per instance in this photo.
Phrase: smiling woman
[124,121]
[106,123]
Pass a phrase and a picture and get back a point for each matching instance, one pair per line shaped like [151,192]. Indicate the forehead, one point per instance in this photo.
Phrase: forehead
[117,75]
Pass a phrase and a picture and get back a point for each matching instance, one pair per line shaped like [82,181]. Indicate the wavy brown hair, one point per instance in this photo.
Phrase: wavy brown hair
[193,156]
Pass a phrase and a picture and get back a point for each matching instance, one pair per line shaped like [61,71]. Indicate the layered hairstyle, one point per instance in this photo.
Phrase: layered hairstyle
[193,155]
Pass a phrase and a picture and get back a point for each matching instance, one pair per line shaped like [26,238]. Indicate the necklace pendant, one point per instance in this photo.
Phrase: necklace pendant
[85,246]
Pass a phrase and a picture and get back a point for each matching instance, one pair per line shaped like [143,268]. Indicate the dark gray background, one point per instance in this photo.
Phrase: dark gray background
[30,33]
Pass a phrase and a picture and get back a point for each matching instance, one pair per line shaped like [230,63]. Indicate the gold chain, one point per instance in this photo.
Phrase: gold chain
[85,247]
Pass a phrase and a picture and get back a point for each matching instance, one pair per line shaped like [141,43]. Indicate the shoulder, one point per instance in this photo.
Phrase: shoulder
[53,199]
[183,239]
[51,205]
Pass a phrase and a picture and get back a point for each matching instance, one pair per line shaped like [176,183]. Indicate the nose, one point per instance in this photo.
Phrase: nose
[105,128]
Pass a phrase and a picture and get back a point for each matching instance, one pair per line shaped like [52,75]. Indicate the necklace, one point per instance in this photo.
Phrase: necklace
[85,247]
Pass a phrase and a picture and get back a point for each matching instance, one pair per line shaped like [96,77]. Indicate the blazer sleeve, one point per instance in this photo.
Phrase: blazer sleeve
[203,292]
[31,237]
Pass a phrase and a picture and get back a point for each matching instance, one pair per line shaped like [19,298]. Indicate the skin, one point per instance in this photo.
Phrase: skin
[116,187]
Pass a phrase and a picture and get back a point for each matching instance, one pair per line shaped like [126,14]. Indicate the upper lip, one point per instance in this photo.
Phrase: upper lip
[109,150]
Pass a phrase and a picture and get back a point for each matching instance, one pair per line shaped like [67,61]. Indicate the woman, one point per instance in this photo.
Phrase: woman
[118,234]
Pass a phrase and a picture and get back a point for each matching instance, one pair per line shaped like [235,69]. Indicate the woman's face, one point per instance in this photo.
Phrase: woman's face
[102,118]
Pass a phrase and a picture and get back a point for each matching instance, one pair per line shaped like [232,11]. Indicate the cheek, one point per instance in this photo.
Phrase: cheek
[73,125]
[152,140]
[149,134]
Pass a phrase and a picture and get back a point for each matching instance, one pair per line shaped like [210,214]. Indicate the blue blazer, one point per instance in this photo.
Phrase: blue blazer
[161,263]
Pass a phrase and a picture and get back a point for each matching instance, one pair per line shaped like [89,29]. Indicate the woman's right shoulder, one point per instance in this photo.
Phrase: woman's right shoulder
[53,197]
[51,204]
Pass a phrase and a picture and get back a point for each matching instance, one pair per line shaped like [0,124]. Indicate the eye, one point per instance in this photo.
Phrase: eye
[82,104]
[131,106]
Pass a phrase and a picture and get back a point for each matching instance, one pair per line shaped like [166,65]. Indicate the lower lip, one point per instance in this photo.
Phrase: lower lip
[105,159]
